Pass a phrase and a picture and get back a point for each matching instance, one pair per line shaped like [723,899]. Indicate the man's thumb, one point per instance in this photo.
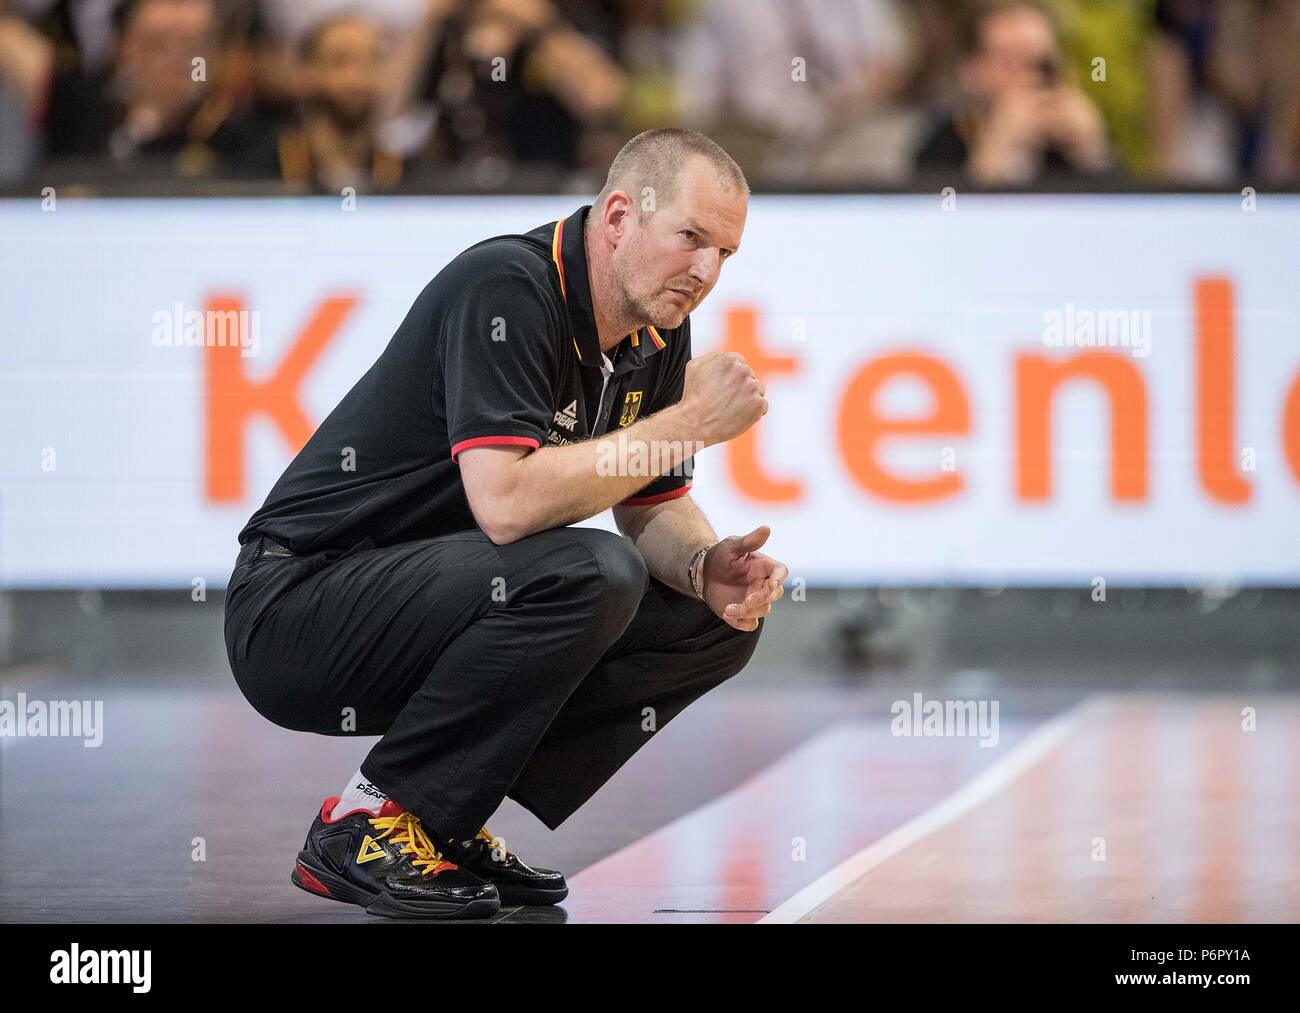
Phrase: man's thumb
[755,539]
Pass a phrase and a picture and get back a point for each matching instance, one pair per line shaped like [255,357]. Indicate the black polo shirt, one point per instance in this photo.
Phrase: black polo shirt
[500,348]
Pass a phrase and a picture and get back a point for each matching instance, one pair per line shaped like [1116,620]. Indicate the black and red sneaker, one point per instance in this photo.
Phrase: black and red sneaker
[516,881]
[387,864]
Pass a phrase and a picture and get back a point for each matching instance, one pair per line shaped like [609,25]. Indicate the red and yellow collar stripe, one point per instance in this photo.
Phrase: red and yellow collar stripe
[557,241]
[654,336]
[557,237]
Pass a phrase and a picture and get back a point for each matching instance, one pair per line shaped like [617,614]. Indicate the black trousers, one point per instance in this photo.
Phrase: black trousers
[532,670]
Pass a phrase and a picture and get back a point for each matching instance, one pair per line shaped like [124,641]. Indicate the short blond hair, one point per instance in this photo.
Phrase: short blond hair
[655,159]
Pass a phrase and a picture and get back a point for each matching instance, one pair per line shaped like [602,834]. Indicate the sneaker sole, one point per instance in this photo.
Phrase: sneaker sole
[525,896]
[309,876]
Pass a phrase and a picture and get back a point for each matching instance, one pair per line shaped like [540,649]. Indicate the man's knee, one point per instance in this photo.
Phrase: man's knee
[738,648]
[713,651]
[595,578]
[616,567]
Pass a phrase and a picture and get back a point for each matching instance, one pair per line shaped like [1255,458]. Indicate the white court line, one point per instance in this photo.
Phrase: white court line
[988,783]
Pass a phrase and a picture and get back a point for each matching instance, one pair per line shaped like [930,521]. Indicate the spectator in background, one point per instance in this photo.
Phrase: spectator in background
[80,31]
[646,38]
[1118,32]
[287,23]
[26,63]
[336,144]
[935,28]
[1019,118]
[161,106]
[1225,87]
[508,83]
[801,90]
[291,21]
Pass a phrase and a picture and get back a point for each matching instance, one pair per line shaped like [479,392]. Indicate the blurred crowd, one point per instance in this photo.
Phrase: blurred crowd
[320,95]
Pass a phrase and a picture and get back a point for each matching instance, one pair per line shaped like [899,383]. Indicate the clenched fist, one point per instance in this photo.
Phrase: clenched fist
[722,396]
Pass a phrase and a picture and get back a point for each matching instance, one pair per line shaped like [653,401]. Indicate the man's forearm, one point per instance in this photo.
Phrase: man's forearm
[554,486]
[667,535]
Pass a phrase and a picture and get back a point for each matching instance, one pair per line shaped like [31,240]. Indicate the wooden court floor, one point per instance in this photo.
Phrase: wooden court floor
[757,805]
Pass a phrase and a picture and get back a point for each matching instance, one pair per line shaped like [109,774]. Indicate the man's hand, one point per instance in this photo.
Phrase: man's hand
[722,397]
[740,583]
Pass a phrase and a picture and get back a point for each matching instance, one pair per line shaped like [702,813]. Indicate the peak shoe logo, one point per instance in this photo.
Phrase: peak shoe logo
[370,850]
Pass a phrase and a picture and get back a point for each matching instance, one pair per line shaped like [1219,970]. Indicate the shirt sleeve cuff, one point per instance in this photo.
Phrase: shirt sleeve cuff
[494,441]
[657,498]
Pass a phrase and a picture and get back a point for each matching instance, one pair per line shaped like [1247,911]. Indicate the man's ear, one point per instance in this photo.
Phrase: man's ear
[614,215]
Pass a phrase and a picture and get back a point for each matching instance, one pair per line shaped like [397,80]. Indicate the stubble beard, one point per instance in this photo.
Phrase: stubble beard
[650,309]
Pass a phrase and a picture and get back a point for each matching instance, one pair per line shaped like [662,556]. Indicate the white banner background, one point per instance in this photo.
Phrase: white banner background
[836,282]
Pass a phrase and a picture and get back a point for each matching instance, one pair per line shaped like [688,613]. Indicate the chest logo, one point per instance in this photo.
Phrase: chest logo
[631,405]
[568,417]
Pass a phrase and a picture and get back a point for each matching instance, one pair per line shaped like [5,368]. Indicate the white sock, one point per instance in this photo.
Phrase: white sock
[359,794]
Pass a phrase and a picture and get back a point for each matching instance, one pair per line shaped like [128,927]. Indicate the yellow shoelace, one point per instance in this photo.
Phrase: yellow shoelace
[407,831]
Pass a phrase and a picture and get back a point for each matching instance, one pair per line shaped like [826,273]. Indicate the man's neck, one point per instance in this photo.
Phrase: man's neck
[611,328]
